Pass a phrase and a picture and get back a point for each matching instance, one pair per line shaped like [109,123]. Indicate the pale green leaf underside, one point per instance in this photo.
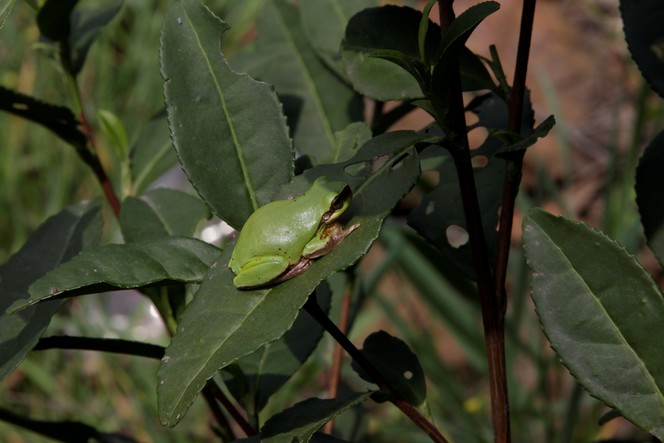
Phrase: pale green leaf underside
[602,313]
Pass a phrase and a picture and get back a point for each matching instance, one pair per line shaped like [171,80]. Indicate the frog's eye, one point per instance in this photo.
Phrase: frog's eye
[338,205]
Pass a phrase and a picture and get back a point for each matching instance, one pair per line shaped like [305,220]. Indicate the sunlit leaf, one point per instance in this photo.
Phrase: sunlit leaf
[132,265]
[228,129]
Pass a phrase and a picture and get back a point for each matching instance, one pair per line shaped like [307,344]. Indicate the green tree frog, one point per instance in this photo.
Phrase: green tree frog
[281,239]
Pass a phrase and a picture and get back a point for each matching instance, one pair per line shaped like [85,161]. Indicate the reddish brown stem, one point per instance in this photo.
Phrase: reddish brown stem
[90,157]
[492,317]
[312,307]
[514,162]
[337,358]
[216,392]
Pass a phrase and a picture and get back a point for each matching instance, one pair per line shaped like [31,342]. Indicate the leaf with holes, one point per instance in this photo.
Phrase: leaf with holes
[228,129]
[602,313]
[397,363]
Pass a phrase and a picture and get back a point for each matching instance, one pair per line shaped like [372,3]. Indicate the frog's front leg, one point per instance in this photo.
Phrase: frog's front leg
[260,271]
[326,240]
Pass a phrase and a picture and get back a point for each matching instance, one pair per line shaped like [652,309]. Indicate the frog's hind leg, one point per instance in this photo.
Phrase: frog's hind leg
[261,271]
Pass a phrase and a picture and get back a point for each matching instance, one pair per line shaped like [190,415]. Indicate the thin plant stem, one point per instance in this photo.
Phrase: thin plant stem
[312,307]
[89,155]
[219,416]
[492,318]
[514,162]
[337,357]
[217,393]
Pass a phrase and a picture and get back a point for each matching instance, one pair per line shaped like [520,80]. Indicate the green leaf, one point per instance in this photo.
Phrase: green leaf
[324,23]
[115,132]
[223,324]
[397,363]
[317,102]
[161,212]
[515,142]
[152,155]
[110,267]
[349,140]
[228,129]
[254,378]
[453,47]
[59,119]
[457,34]
[86,25]
[302,420]
[390,28]
[440,217]
[645,38]
[55,241]
[5,11]
[53,19]
[649,185]
[602,314]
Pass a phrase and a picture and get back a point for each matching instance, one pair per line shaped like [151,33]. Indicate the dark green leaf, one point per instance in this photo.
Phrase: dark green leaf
[223,324]
[602,313]
[397,363]
[649,185]
[317,102]
[106,268]
[54,20]
[57,240]
[440,218]
[515,142]
[254,378]
[161,212]
[59,119]
[86,25]
[457,34]
[301,421]
[390,28]
[324,23]
[152,154]
[228,129]
[645,38]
